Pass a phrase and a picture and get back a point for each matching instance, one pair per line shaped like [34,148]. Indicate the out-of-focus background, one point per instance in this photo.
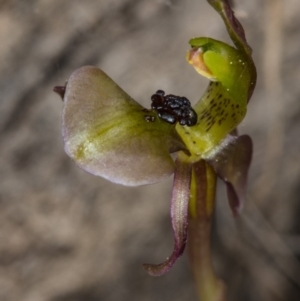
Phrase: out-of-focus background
[66,235]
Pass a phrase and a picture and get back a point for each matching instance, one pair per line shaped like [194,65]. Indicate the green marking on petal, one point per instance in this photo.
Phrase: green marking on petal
[109,134]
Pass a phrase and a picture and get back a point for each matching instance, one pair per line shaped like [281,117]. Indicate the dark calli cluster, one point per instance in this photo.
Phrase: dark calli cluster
[172,108]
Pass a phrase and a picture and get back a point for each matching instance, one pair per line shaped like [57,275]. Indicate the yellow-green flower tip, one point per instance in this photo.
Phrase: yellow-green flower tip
[226,64]
[195,58]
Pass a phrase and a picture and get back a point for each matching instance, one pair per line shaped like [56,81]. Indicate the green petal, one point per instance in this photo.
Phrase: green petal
[110,135]
[224,104]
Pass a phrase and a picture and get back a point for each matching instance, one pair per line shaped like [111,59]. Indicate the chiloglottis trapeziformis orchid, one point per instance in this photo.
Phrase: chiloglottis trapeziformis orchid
[108,134]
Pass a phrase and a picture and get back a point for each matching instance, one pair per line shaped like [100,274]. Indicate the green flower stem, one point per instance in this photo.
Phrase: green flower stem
[203,186]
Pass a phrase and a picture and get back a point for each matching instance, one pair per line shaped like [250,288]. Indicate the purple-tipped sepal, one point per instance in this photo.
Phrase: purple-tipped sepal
[179,215]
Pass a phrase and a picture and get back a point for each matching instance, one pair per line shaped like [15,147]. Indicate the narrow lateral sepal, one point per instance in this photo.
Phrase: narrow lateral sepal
[179,215]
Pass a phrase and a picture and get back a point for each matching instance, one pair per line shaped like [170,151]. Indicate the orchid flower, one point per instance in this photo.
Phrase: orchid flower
[108,134]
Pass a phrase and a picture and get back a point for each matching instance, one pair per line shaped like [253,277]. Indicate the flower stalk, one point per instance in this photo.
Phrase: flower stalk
[209,287]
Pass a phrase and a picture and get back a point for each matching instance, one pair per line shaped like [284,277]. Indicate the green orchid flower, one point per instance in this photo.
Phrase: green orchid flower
[108,134]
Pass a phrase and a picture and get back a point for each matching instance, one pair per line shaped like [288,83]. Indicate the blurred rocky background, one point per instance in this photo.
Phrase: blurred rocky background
[66,235]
